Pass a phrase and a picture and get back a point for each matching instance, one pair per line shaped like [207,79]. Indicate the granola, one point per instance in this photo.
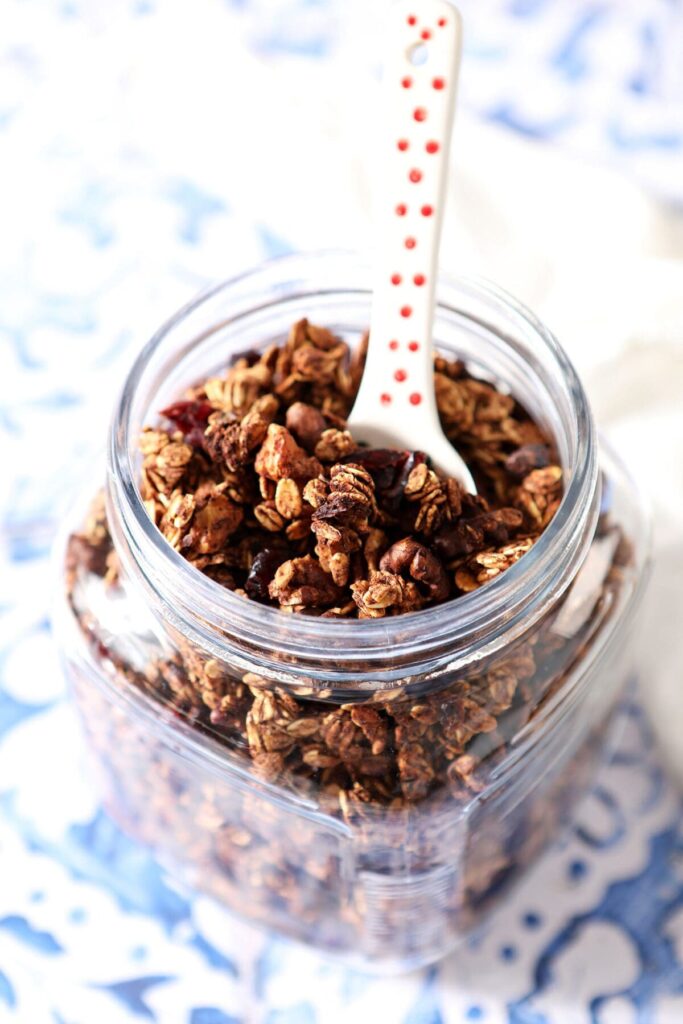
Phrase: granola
[262,456]
[255,479]
[260,486]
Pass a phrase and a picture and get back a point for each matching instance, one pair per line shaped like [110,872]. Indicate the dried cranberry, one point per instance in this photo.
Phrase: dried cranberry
[456,539]
[392,495]
[530,456]
[191,417]
[381,463]
[263,569]
[102,650]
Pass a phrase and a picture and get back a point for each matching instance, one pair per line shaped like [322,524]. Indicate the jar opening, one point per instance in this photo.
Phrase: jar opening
[474,320]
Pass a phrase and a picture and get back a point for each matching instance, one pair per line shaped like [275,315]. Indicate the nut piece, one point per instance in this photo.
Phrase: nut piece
[306,423]
[409,556]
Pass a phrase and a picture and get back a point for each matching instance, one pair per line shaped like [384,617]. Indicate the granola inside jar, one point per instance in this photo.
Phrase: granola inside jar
[368,781]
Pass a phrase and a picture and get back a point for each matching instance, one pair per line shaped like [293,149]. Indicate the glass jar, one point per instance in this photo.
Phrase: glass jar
[474,726]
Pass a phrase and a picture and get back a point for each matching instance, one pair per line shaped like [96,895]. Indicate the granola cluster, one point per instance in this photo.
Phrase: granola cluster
[256,480]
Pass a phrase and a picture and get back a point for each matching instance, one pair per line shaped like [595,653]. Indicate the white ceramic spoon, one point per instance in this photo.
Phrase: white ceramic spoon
[396,406]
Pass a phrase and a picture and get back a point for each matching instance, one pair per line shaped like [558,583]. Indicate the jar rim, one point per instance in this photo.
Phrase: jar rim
[218,615]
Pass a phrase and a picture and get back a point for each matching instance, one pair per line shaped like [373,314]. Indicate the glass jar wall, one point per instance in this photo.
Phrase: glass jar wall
[370,786]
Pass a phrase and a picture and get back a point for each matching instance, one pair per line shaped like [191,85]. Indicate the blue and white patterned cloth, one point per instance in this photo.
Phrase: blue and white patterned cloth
[142,157]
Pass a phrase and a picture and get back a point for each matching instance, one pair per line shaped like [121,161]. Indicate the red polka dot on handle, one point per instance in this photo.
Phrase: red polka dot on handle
[413,101]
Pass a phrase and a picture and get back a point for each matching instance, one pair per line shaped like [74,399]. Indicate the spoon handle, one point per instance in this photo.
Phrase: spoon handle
[396,397]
